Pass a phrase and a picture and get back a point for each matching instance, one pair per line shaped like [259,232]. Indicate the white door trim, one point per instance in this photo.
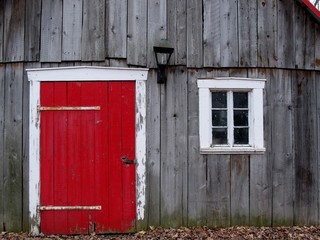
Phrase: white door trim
[84,73]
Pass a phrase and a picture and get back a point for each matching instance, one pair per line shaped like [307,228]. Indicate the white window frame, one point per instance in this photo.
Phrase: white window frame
[255,88]
[85,73]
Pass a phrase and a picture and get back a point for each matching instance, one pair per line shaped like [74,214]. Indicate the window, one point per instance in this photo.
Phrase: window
[231,115]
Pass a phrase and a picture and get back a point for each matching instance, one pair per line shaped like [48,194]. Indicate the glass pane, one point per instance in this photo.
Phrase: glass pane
[240,100]
[241,136]
[219,136]
[219,118]
[240,118]
[219,99]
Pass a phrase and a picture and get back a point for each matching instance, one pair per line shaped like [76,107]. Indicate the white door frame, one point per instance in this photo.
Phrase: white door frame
[85,73]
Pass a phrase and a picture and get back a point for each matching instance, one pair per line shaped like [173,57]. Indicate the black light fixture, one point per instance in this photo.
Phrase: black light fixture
[163,52]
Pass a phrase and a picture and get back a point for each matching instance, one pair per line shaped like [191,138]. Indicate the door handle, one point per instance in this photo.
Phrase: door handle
[125,160]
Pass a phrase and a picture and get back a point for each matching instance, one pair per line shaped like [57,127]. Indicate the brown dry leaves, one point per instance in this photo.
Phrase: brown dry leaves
[193,233]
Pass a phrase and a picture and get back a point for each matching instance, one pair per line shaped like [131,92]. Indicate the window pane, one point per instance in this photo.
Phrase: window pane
[240,100]
[219,118]
[219,99]
[219,136]
[240,117]
[241,136]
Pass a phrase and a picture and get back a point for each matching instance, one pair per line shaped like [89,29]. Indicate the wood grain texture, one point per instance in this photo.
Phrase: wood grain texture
[157,27]
[14,13]
[153,149]
[285,30]
[211,33]
[240,189]
[116,24]
[93,31]
[173,148]
[197,164]
[1,30]
[305,159]
[177,30]
[310,42]
[317,79]
[229,46]
[299,36]
[32,31]
[282,146]
[12,166]
[51,26]
[267,33]
[71,29]
[218,190]
[248,39]
[2,101]
[137,32]
[261,165]
[194,34]
[317,47]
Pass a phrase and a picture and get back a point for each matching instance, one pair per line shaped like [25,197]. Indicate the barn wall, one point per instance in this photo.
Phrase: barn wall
[183,187]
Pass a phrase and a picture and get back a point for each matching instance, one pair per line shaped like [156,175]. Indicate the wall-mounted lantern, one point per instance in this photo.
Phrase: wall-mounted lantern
[163,52]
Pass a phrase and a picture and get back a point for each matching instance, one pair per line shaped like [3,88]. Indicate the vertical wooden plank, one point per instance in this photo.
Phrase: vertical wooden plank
[157,27]
[261,165]
[211,33]
[282,147]
[2,102]
[317,46]
[14,30]
[12,166]
[305,119]
[181,135]
[218,190]
[197,166]
[118,63]
[310,42]
[177,30]
[116,23]
[1,30]
[299,36]
[240,189]
[25,147]
[267,33]
[248,35]
[93,30]
[71,28]
[32,31]
[285,35]
[51,26]
[137,32]
[229,55]
[194,34]
[153,149]
[171,164]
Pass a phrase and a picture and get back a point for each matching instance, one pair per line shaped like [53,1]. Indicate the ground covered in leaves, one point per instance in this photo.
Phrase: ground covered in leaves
[193,233]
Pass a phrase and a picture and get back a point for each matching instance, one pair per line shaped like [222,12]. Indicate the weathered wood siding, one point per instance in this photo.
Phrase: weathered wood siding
[211,39]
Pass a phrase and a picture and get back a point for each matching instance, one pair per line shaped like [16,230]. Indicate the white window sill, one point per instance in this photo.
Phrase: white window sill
[232,150]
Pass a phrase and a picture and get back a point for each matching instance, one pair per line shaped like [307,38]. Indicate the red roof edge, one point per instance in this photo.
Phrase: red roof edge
[312,9]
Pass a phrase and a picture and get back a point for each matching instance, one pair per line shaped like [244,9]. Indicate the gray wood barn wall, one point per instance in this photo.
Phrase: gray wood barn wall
[272,39]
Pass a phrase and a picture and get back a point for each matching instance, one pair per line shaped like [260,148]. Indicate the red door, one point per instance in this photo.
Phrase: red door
[87,136]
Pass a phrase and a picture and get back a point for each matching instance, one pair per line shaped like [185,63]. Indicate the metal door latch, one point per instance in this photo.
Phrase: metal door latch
[125,160]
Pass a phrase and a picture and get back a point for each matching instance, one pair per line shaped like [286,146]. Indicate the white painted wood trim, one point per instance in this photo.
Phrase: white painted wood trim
[87,73]
[141,148]
[205,112]
[35,76]
[34,157]
[231,83]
